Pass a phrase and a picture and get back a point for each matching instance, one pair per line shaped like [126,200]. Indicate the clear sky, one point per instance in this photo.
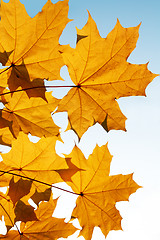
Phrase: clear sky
[138,149]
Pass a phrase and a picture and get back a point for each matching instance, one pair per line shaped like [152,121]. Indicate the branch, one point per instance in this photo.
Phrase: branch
[32,179]
[25,89]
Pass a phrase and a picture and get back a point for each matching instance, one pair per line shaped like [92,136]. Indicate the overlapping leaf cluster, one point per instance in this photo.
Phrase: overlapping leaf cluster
[29,53]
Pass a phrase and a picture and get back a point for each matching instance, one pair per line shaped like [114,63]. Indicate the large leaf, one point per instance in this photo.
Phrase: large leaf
[46,228]
[31,115]
[31,44]
[101,74]
[37,162]
[98,192]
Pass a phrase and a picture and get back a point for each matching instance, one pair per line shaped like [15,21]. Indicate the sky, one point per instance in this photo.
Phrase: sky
[138,149]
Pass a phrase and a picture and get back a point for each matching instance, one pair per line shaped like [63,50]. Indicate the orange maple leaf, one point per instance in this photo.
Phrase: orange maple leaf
[31,115]
[98,192]
[37,162]
[30,46]
[46,228]
[101,74]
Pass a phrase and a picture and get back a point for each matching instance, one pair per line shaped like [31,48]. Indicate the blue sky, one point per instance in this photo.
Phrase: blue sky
[138,149]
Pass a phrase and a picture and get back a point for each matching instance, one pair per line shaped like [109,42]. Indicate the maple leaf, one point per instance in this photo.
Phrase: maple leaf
[31,44]
[31,115]
[101,74]
[53,227]
[19,189]
[24,212]
[37,162]
[46,228]
[98,192]
[37,197]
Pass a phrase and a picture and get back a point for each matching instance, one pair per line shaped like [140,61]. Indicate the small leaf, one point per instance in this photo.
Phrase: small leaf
[37,161]
[24,212]
[98,192]
[30,115]
[18,189]
[37,197]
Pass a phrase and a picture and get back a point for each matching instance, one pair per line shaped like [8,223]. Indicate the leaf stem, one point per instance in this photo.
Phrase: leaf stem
[34,180]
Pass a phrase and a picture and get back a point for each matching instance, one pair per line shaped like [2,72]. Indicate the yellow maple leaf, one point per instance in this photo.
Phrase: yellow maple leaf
[46,228]
[31,115]
[37,162]
[98,192]
[31,45]
[101,74]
